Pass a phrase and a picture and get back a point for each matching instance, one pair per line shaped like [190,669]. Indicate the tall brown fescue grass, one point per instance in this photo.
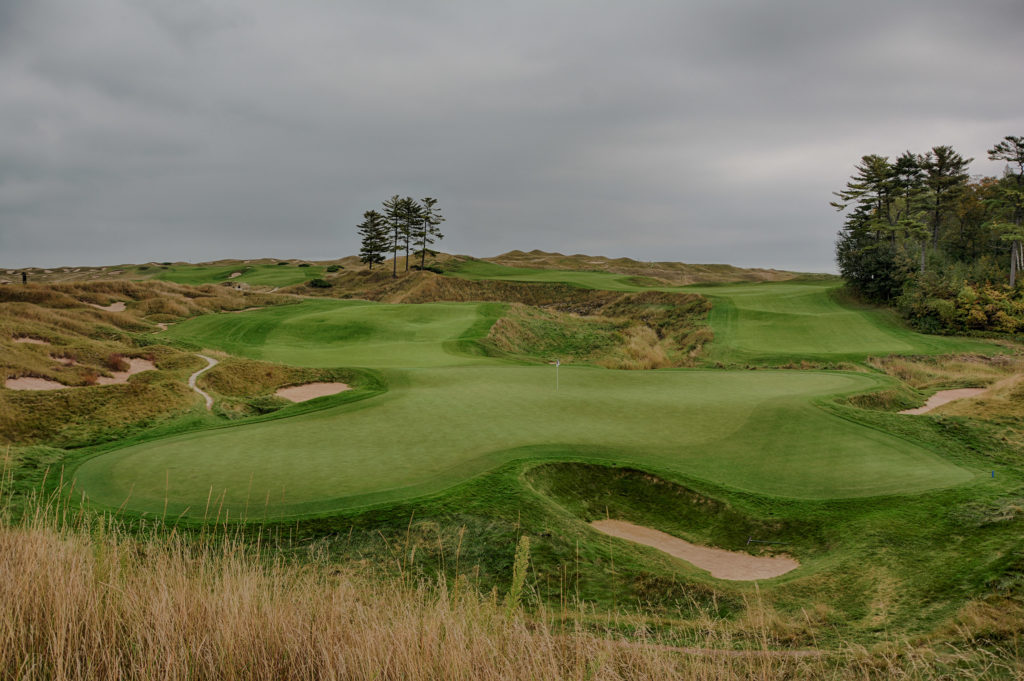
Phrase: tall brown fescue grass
[82,598]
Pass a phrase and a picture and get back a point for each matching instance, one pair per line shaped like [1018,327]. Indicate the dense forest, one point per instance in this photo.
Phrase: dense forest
[943,247]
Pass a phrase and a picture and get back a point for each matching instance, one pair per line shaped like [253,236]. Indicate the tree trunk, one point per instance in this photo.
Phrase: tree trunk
[394,270]
[924,247]
[1014,258]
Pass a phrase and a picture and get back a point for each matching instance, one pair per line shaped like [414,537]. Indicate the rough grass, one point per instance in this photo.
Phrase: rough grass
[85,600]
[83,343]
[641,273]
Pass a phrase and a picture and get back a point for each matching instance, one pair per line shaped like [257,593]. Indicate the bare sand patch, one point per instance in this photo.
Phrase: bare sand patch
[945,397]
[234,274]
[32,383]
[33,341]
[161,326]
[66,361]
[311,391]
[719,562]
[113,307]
[135,366]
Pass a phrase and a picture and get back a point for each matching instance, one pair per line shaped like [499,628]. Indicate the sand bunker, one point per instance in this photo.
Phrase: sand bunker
[310,391]
[32,383]
[135,366]
[66,361]
[235,274]
[945,397]
[113,307]
[34,341]
[719,562]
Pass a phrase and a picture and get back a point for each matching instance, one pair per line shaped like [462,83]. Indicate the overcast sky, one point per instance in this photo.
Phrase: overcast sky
[139,130]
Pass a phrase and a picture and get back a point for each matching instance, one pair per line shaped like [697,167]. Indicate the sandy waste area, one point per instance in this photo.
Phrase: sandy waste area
[719,562]
[32,383]
[309,391]
[945,397]
[113,307]
[136,366]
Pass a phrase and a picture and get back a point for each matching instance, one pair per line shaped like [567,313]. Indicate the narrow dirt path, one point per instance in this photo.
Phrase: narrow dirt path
[211,362]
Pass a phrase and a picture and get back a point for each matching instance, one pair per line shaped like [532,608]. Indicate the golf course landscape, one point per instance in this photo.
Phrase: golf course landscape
[486,404]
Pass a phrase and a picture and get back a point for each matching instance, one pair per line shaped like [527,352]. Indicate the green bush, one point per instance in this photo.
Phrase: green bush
[319,283]
[303,264]
[334,268]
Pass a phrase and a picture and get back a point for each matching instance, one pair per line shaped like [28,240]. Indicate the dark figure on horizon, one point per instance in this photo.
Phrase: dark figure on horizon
[24,277]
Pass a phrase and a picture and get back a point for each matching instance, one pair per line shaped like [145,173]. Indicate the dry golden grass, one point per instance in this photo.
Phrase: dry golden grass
[659,273]
[82,599]
[960,371]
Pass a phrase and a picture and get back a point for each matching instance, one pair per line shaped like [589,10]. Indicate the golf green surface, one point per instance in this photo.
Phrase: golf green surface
[449,416]
[332,333]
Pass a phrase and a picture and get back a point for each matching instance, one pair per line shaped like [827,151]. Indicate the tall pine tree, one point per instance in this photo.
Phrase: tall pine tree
[393,211]
[1011,198]
[373,232]
[427,232]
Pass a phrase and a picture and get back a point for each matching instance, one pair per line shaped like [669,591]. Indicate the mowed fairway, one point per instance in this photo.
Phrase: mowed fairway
[770,322]
[448,417]
[258,275]
[782,321]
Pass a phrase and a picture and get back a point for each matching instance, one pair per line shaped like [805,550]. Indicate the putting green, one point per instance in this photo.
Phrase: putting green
[755,431]
[447,417]
[331,333]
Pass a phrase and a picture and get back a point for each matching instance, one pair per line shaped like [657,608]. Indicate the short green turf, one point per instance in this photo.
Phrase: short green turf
[333,333]
[448,417]
[782,321]
[260,275]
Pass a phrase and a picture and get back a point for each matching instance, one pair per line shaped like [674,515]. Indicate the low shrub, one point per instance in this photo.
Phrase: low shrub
[303,264]
[117,362]
[319,283]
[334,268]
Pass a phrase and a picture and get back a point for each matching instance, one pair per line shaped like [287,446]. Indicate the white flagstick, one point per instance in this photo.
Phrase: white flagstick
[558,363]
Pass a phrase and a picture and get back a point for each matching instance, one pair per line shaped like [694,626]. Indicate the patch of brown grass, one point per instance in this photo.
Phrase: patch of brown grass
[647,273]
[80,598]
[949,371]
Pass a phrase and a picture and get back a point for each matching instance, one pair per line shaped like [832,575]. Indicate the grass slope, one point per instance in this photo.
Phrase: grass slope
[779,322]
[768,322]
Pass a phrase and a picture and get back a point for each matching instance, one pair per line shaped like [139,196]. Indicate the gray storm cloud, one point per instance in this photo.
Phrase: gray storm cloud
[138,130]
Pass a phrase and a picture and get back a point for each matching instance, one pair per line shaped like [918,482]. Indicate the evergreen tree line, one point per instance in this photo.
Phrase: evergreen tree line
[944,247]
[404,224]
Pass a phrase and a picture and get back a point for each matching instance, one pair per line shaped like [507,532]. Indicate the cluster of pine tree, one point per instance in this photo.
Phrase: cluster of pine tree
[922,234]
[405,223]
